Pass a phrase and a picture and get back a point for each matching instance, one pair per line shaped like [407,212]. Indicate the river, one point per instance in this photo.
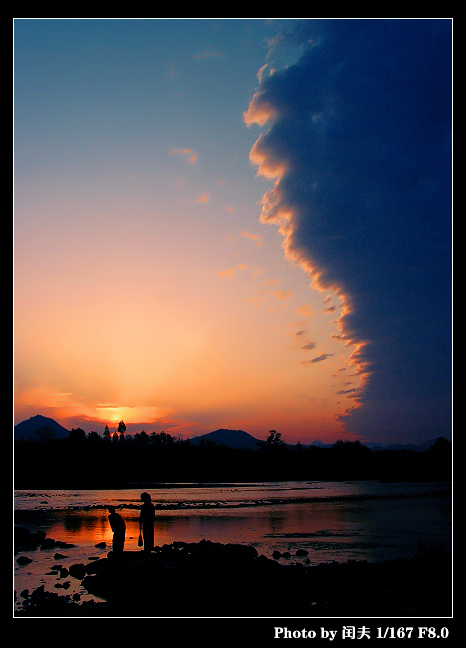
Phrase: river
[332,521]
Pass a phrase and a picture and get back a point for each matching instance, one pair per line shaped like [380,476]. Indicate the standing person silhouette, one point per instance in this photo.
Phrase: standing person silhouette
[118,527]
[146,522]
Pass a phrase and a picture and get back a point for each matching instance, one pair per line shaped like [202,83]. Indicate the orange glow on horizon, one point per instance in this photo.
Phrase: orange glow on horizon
[171,309]
[276,210]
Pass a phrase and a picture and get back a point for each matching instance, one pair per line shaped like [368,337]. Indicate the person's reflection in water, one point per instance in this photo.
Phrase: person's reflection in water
[146,522]
[118,527]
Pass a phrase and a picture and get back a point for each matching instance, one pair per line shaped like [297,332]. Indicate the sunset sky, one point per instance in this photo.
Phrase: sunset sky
[234,223]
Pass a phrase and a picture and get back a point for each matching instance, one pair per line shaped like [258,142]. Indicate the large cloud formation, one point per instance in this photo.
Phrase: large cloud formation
[357,140]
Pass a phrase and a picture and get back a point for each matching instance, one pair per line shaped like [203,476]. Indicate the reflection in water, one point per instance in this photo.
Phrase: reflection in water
[341,521]
[388,522]
[276,520]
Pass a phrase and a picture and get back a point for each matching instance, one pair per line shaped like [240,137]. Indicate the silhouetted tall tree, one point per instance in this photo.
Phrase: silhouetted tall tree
[107,436]
[274,439]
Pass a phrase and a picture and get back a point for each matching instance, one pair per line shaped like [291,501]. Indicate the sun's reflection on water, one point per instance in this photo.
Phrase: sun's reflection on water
[271,518]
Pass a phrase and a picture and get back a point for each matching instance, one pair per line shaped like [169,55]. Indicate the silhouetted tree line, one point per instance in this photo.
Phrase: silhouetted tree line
[89,460]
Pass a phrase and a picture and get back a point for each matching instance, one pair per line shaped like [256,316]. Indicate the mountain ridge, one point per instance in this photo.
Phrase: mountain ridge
[27,429]
[238,439]
[231,438]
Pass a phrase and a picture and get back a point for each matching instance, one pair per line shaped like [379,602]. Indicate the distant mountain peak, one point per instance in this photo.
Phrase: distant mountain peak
[231,438]
[27,429]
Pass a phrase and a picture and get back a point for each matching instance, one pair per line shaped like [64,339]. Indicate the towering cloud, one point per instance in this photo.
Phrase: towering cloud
[356,137]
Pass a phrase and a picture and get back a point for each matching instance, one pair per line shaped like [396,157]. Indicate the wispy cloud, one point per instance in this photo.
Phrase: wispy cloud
[266,291]
[208,53]
[231,271]
[253,237]
[186,153]
[320,358]
[203,198]
[282,294]
[226,273]
[304,311]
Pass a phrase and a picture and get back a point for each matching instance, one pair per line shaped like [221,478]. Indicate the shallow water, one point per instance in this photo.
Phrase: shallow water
[339,521]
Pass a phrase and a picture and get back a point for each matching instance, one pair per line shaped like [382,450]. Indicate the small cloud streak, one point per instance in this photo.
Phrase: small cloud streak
[320,358]
[208,53]
[203,199]
[253,237]
[305,311]
[282,294]
[226,273]
[186,152]
[231,271]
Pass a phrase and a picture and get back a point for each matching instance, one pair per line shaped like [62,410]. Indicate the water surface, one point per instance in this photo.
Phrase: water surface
[361,520]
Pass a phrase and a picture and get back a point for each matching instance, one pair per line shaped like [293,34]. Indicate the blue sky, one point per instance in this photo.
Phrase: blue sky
[239,223]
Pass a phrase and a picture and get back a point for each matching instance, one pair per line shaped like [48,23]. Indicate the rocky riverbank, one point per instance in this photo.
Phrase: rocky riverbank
[208,579]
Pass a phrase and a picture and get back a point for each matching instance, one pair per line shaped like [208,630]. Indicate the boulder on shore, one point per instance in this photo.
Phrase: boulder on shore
[208,579]
[77,570]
